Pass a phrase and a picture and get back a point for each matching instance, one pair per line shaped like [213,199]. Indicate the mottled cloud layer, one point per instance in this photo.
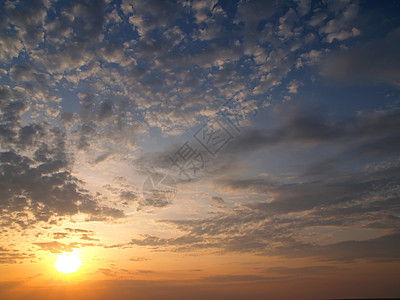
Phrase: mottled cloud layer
[89,86]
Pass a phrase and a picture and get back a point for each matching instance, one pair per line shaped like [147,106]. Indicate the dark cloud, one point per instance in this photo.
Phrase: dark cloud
[60,235]
[28,18]
[138,259]
[269,227]
[67,117]
[382,248]
[252,13]
[217,199]
[153,162]
[311,129]
[102,157]
[107,272]
[237,278]
[10,116]
[57,247]
[145,271]
[77,230]
[13,256]
[125,193]
[269,238]
[284,198]
[104,123]
[311,270]
[182,243]
[238,232]
[89,17]
[86,237]
[153,14]
[371,62]
[129,196]
[44,182]
[303,6]
[105,109]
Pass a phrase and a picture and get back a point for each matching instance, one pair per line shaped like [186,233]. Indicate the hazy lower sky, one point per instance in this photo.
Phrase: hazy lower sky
[199,149]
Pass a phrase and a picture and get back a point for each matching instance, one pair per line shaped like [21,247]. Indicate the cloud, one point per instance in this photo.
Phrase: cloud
[60,235]
[342,35]
[145,271]
[11,113]
[125,193]
[103,123]
[181,243]
[102,157]
[138,259]
[251,13]
[54,247]
[237,278]
[293,86]
[253,231]
[107,272]
[379,249]
[47,183]
[371,62]
[26,20]
[217,199]
[312,270]
[306,129]
[153,14]
[273,224]
[325,192]
[43,183]
[13,256]
[86,237]
[92,81]
[77,230]
[57,247]
[340,27]
[303,6]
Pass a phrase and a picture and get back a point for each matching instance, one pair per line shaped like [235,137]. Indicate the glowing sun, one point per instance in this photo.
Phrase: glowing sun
[68,262]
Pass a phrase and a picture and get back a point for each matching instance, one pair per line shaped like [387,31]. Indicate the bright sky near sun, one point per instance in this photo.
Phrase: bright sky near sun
[199,149]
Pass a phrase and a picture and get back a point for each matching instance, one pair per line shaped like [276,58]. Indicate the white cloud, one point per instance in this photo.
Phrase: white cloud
[293,86]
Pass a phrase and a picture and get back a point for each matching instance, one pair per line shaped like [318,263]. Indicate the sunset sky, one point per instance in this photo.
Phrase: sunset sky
[199,149]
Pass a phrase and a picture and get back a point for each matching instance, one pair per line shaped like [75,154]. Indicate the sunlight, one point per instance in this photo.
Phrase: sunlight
[68,262]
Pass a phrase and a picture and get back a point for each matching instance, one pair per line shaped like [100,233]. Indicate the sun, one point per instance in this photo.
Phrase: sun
[68,262]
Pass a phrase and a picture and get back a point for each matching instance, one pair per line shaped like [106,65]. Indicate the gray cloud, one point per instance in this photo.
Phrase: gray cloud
[43,182]
[267,227]
[380,127]
[170,77]
[57,247]
[13,256]
[153,14]
[252,12]
[274,236]
[48,189]
[371,62]
[77,230]
[60,235]
[28,19]
[382,248]
[311,270]
[323,192]
[217,199]
[237,278]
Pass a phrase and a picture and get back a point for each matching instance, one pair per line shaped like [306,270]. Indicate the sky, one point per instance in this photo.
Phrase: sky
[200,149]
